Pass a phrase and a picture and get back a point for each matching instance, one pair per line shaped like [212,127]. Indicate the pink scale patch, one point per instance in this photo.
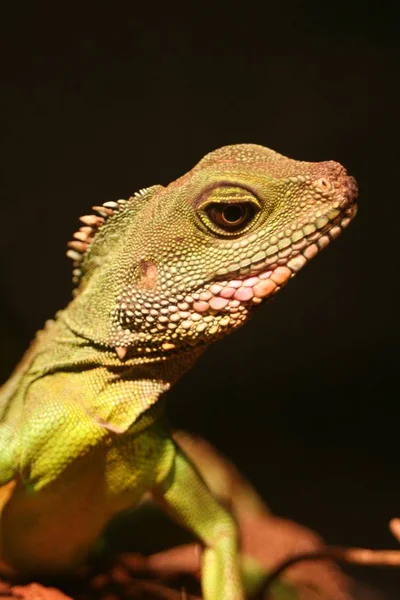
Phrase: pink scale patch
[243,294]
[215,289]
[218,303]
[265,275]
[205,296]
[250,282]
[201,306]
[235,283]
[264,288]
[227,292]
[281,275]
[311,251]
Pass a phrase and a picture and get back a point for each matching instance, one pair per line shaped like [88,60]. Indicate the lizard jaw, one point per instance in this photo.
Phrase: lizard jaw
[224,304]
[274,273]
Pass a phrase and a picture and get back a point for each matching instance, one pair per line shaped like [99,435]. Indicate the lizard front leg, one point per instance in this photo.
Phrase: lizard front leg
[187,498]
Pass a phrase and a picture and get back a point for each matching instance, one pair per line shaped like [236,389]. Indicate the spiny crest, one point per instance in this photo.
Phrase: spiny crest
[78,247]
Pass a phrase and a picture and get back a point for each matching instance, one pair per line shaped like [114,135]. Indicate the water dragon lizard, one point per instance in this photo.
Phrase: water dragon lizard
[157,277]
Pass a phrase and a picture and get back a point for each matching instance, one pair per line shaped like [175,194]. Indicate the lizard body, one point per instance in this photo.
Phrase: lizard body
[158,277]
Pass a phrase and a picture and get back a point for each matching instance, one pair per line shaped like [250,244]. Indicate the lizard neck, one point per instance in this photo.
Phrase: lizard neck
[115,394]
[76,347]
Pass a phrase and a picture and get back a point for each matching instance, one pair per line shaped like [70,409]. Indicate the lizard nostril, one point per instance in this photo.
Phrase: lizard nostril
[322,184]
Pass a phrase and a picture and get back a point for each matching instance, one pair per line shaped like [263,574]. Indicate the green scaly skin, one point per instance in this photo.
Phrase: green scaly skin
[158,277]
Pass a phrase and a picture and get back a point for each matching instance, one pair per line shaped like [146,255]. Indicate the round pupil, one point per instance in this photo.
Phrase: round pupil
[233,213]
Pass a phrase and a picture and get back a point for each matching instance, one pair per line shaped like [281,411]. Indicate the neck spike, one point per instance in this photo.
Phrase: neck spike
[85,234]
[91,223]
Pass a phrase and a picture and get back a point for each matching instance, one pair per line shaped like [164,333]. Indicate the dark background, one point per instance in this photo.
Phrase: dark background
[98,103]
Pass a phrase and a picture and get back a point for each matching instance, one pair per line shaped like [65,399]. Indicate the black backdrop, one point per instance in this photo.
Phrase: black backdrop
[98,103]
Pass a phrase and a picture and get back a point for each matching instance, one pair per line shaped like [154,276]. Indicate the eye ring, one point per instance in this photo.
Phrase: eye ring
[231,216]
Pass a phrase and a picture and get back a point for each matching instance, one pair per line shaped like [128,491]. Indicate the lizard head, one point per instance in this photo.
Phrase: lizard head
[179,266]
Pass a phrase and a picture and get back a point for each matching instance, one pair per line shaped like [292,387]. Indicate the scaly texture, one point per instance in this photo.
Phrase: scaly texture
[158,277]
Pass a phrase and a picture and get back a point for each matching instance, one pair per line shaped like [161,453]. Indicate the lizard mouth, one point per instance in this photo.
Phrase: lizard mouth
[269,274]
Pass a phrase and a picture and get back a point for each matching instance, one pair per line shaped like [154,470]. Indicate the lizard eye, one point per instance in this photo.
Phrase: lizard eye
[231,217]
[228,210]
